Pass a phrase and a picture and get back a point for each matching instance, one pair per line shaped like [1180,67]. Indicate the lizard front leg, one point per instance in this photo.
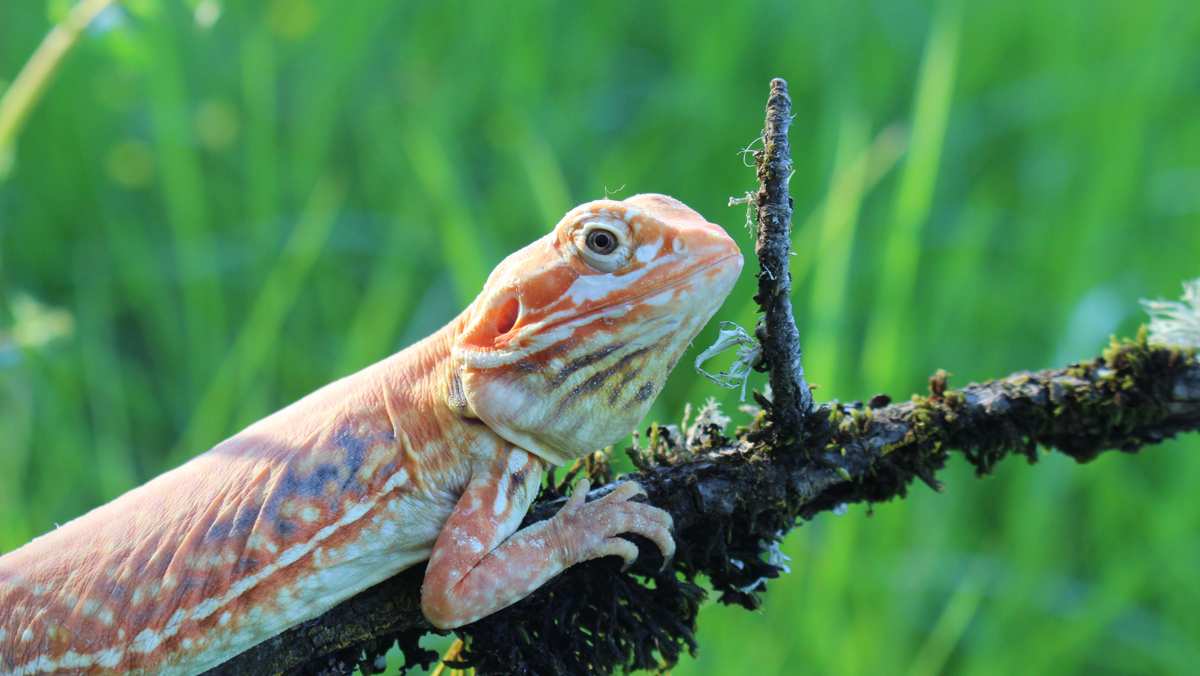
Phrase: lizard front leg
[480,565]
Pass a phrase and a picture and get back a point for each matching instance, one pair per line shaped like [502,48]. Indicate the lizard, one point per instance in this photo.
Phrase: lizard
[434,453]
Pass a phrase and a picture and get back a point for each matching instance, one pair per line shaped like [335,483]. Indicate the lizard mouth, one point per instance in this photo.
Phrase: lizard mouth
[669,285]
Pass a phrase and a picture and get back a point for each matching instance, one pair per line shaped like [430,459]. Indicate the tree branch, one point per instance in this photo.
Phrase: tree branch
[776,330]
[734,498]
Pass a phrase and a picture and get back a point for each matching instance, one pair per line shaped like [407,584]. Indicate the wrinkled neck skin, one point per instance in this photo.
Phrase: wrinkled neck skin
[418,376]
[576,397]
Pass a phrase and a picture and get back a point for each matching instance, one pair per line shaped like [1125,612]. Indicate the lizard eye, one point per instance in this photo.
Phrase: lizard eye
[602,241]
[603,244]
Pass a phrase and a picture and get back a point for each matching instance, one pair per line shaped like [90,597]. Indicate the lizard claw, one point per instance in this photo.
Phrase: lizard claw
[666,564]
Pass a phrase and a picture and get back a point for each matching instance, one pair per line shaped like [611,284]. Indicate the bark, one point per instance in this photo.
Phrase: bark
[777,331]
[735,496]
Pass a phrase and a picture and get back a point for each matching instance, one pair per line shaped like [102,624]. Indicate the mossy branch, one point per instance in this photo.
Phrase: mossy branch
[734,497]
[776,331]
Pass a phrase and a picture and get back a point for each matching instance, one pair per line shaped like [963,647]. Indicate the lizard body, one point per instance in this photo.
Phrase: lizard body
[433,453]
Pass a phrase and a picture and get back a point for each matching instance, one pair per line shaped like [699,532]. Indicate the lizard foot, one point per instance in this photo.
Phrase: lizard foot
[588,530]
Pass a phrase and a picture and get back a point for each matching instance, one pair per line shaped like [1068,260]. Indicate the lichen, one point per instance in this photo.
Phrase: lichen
[1176,323]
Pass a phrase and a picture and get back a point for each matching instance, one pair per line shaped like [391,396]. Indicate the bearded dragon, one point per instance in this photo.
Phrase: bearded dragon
[433,453]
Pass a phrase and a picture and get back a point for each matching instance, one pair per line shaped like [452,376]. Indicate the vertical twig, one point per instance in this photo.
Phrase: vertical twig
[23,94]
[777,332]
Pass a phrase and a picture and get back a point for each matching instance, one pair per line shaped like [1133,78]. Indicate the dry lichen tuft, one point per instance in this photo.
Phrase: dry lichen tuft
[1176,323]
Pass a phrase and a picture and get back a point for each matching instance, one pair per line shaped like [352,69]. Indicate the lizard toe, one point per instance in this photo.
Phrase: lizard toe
[619,547]
[625,491]
[578,494]
[651,523]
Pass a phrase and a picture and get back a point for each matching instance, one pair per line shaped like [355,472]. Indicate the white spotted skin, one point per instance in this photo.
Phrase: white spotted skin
[391,466]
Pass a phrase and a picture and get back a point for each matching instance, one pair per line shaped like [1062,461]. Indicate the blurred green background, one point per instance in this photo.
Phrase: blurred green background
[218,207]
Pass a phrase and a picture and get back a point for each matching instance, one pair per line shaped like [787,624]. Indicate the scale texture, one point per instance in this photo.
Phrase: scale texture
[433,453]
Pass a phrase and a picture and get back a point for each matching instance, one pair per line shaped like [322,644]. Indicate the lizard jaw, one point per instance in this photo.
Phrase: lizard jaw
[670,285]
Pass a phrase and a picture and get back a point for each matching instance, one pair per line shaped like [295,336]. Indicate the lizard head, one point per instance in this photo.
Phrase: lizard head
[573,336]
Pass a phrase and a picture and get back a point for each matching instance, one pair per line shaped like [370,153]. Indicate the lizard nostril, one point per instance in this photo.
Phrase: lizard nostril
[506,318]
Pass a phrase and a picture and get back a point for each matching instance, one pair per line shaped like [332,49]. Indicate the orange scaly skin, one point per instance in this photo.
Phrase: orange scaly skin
[435,452]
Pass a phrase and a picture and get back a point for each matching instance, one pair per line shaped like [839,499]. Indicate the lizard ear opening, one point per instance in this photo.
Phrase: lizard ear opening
[493,321]
[506,315]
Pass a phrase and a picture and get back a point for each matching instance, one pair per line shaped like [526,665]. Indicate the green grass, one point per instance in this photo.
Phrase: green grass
[200,225]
